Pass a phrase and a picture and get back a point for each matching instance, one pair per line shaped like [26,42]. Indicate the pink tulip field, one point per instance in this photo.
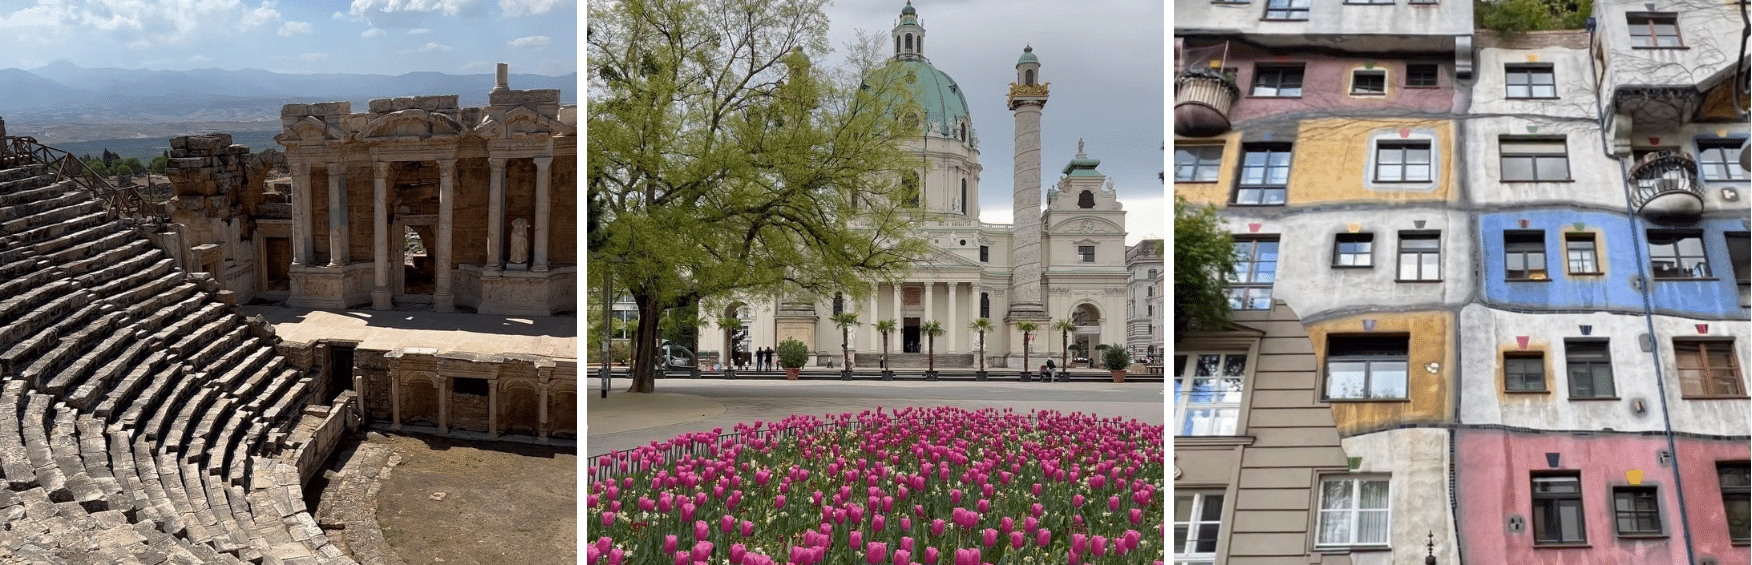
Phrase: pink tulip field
[931,486]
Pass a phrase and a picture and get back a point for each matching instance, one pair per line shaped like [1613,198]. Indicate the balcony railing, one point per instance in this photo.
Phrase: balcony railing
[1202,100]
[1666,186]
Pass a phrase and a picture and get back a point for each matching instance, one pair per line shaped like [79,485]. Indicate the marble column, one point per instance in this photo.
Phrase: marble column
[337,214]
[542,409]
[495,213]
[898,289]
[955,329]
[380,295]
[443,402]
[930,313]
[442,299]
[303,241]
[873,338]
[395,393]
[493,407]
[543,209]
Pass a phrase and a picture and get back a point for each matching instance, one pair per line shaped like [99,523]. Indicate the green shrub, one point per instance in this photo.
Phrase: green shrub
[1115,357]
[793,354]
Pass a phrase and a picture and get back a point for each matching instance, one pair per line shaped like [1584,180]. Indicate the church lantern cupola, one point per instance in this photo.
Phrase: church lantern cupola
[909,36]
[1028,67]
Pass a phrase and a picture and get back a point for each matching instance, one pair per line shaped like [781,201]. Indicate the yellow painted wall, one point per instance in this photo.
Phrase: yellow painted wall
[1331,161]
[1222,191]
[1430,395]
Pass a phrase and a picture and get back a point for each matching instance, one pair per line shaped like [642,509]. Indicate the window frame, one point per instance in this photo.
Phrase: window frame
[1199,163]
[1679,257]
[1418,71]
[1279,73]
[1635,494]
[1251,289]
[1531,84]
[1741,492]
[1355,512]
[1533,157]
[985,253]
[1369,2]
[1739,246]
[1418,254]
[1537,517]
[1696,354]
[1648,22]
[1404,164]
[1729,164]
[1374,75]
[1536,360]
[1223,410]
[1364,259]
[1086,253]
[1262,192]
[1398,352]
[1593,355]
[1287,10]
[1527,246]
[1199,505]
[1592,253]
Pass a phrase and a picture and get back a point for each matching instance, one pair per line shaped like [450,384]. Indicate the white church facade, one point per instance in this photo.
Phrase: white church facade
[1064,262]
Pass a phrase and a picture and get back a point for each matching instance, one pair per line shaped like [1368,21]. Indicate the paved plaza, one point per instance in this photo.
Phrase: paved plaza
[627,420]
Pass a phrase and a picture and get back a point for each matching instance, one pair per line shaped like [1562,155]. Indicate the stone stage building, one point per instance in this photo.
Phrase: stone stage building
[1066,263]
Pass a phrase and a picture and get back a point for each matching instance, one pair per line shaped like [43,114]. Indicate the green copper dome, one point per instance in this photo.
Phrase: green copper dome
[1028,56]
[908,10]
[938,94]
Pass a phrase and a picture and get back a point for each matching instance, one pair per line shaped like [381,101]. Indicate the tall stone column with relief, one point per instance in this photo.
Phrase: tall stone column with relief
[1027,98]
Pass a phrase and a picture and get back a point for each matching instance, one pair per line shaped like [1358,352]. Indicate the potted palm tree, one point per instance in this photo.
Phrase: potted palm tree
[1116,358]
[792,355]
[1027,329]
[885,327]
[1065,327]
[931,330]
[981,325]
[730,324]
[845,321]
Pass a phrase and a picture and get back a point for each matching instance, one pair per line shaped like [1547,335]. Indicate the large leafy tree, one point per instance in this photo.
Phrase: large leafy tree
[1204,255]
[722,162]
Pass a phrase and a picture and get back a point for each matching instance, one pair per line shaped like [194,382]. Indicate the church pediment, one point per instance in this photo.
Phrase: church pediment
[1086,225]
[521,122]
[309,130]
[941,259]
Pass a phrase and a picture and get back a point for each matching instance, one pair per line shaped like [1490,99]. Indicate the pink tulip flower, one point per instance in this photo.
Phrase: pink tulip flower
[1098,545]
[607,519]
[875,553]
[701,530]
[1137,516]
[668,544]
[1036,509]
[937,527]
[1017,539]
[989,537]
[931,554]
[616,556]
[902,557]
[1113,503]
[747,528]
[877,522]
[701,550]
[1043,538]
[737,553]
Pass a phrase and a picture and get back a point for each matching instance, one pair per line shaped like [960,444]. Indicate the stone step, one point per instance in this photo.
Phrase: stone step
[109,388]
[45,371]
[127,276]
[57,236]
[99,341]
[867,360]
[15,215]
[148,381]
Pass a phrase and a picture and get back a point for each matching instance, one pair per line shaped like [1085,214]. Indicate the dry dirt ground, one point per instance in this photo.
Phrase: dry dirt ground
[449,501]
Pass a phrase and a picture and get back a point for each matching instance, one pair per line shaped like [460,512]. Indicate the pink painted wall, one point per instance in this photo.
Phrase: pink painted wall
[1326,85]
[1493,482]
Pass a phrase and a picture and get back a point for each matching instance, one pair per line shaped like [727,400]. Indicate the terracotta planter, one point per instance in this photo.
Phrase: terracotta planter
[1119,376]
[791,373]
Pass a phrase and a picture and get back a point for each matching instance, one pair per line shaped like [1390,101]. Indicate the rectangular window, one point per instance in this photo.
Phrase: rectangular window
[1402,161]
[1278,80]
[1354,250]
[1086,253]
[1422,75]
[1530,81]
[1420,257]
[1198,517]
[1197,163]
[1581,253]
[1369,83]
[1654,30]
[1286,9]
[1384,2]
[1366,367]
[1207,393]
[1677,255]
[1637,511]
[1255,271]
[1740,259]
[1524,255]
[985,253]
[1719,159]
[1736,481]
[1707,368]
[1353,512]
[1265,174]
[1590,368]
[1557,509]
[1534,159]
[1524,372]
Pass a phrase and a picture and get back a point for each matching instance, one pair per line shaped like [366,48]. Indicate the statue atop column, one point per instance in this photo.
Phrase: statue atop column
[519,245]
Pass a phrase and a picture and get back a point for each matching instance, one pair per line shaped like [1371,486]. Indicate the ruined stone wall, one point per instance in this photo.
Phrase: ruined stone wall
[214,191]
[318,431]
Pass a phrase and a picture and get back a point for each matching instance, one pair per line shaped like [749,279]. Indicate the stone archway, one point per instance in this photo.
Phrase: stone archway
[419,402]
[562,406]
[1087,317]
[520,409]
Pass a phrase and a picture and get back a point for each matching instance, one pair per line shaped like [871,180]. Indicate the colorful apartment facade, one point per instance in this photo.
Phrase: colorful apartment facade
[1516,267]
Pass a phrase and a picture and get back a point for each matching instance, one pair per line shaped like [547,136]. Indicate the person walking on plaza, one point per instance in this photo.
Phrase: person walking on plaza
[766,359]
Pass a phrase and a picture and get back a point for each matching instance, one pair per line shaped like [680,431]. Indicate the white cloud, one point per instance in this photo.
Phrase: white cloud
[419,31]
[199,59]
[261,15]
[294,28]
[534,42]
[374,32]
[312,57]
[434,47]
[514,8]
[407,13]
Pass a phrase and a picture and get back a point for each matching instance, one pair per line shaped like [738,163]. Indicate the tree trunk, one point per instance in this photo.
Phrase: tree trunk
[885,351]
[931,356]
[1065,343]
[982,352]
[1025,366]
[846,347]
[644,375]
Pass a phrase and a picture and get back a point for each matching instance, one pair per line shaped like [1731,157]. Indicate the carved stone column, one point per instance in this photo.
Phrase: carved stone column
[541,388]
[543,209]
[395,394]
[495,213]
[337,217]
[873,339]
[303,242]
[493,407]
[442,299]
[380,295]
[954,328]
[443,383]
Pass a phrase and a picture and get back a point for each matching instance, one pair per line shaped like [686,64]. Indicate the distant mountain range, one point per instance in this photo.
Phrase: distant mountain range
[62,91]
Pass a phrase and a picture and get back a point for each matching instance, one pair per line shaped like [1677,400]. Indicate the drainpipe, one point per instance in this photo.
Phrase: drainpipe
[1642,264]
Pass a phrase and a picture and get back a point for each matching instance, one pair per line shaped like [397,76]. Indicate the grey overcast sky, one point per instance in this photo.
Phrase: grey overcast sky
[294,36]
[1106,65]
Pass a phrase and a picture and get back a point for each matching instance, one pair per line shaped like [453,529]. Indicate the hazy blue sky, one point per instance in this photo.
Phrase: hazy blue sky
[363,36]
[1106,66]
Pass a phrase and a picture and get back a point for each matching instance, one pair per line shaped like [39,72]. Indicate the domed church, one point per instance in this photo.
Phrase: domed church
[1066,262]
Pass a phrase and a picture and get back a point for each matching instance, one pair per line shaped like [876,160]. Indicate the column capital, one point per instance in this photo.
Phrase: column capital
[497,163]
[541,163]
[380,170]
[446,167]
